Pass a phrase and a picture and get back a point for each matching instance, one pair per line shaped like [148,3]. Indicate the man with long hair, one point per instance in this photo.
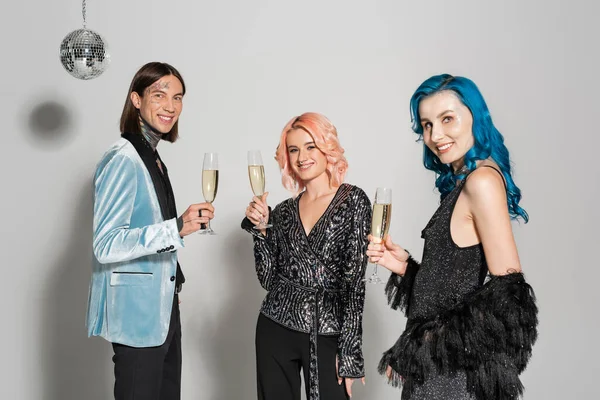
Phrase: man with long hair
[133,301]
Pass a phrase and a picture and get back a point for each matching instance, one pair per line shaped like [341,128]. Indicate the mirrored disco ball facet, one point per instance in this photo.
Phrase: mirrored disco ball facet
[84,54]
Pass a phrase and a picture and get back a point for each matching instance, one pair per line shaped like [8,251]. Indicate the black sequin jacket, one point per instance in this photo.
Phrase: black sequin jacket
[315,282]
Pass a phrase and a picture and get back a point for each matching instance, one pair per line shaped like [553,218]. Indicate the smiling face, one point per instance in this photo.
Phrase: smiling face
[161,103]
[306,160]
[447,127]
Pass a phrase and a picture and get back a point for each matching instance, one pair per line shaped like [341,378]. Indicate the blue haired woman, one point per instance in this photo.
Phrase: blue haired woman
[472,318]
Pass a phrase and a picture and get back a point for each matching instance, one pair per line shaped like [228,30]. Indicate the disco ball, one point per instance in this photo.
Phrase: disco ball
[84,54]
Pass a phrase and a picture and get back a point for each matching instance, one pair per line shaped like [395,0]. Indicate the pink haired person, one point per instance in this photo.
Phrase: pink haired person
[312,263]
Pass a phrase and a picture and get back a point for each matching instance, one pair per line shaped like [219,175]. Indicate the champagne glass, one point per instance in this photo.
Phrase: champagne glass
[256,173]
[210,184]
[380,223]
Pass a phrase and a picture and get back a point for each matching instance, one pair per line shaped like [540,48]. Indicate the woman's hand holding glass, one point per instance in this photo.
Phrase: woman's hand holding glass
[387,254]
[258,211]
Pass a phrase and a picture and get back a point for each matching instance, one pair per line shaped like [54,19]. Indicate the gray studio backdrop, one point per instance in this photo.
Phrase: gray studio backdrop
[249,66]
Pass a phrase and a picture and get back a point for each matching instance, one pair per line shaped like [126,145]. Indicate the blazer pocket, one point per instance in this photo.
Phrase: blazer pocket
[131,278]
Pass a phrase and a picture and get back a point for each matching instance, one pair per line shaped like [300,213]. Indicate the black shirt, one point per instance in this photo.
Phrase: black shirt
[161,182]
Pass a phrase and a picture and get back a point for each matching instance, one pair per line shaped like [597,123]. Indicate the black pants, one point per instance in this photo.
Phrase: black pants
[150,373]
[282,352]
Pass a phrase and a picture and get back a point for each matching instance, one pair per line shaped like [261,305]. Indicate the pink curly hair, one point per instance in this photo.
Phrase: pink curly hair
[325,136]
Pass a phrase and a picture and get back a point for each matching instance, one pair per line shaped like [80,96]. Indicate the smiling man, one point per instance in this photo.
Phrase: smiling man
[136,278]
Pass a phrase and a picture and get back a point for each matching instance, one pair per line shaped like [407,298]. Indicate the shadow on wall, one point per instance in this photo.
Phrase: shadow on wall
[227,342]
[49,123]
[75,367]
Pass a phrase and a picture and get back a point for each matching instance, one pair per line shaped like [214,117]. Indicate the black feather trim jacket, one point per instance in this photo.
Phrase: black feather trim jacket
[460,318]
[489,335]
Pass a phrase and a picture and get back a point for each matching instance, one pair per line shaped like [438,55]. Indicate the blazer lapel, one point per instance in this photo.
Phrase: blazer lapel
[149,157]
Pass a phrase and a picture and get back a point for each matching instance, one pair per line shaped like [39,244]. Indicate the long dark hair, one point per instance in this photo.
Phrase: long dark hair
[145,77]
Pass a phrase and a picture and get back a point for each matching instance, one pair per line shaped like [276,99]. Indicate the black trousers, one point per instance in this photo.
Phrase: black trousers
[151,373]
[280,355]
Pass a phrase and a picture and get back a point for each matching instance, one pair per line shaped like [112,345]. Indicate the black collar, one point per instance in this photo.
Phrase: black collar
[162,186]
[141,145]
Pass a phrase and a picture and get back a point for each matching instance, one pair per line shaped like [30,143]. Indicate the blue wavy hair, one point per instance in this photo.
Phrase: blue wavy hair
[489,143]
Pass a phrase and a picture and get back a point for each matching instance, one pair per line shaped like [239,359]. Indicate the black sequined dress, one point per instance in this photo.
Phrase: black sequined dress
[315,282]
[466,337]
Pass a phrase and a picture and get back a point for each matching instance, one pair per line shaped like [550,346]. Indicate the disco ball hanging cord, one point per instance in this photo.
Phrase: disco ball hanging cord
[83,52]
[83,12]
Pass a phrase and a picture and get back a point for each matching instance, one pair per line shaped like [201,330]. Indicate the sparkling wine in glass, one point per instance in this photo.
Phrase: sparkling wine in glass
[210,184]
[256,173]
[380,223]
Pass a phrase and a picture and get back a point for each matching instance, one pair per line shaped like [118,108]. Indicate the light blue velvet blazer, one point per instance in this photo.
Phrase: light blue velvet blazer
[135,259]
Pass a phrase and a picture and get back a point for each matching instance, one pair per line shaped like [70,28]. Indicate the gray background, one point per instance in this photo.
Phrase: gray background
[249,67]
